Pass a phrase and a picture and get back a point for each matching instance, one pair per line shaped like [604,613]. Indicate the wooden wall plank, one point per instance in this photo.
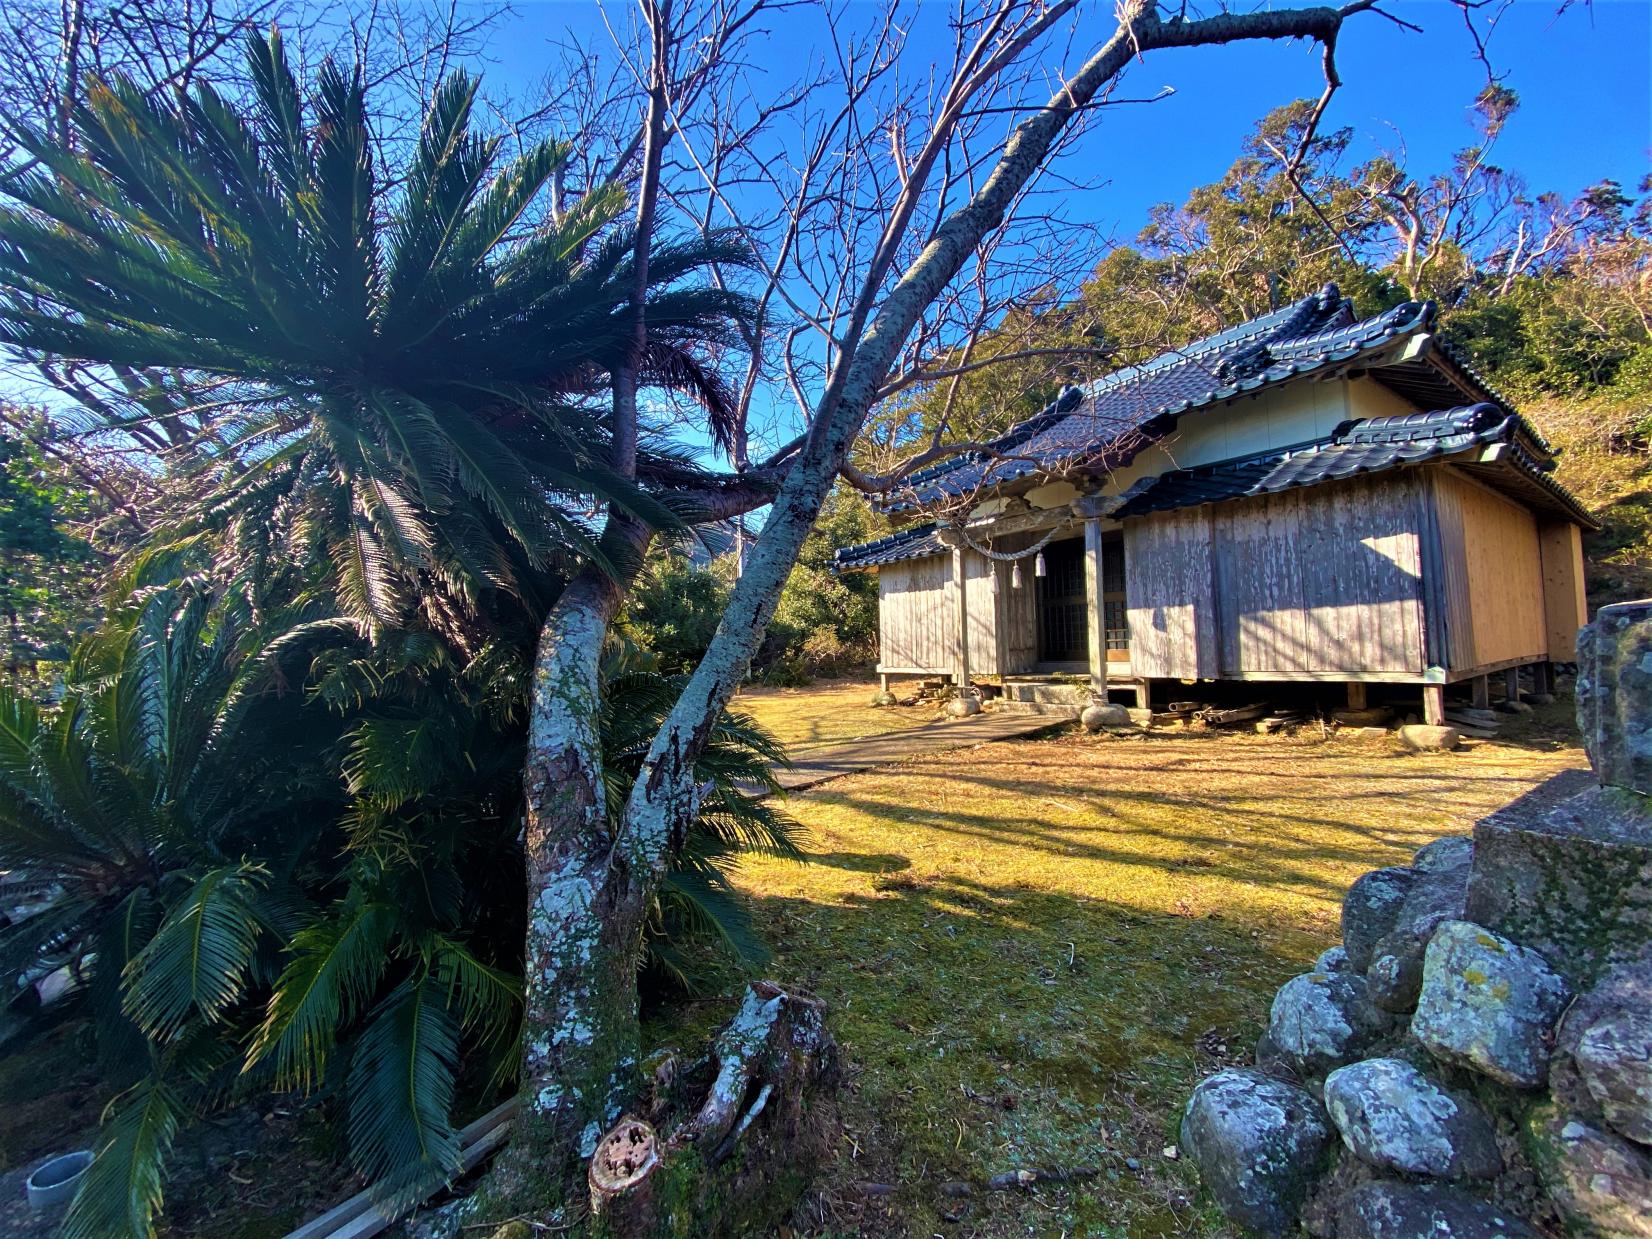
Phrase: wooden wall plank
[1495,574]
[916,614]
[1320,580]
[1565,609]
[1170,587]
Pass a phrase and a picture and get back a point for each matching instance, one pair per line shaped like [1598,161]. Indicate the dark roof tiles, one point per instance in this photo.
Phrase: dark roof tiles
[1103,424]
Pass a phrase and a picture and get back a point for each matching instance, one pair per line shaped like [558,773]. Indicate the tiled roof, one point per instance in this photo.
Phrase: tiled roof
[1102,424]
[913,543]
[1367,446]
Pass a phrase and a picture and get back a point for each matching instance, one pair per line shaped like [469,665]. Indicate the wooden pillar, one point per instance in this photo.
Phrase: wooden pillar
[1356,694]
[1511,684]
[961,637]
[1543,677]
[1094,613]
[883,681]
[1481,684]
[1434,704]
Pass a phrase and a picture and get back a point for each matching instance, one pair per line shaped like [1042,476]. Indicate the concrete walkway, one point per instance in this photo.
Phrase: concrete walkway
[818,765]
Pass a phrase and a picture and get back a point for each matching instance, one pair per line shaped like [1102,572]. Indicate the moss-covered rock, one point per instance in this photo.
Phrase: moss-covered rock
[1489,1004]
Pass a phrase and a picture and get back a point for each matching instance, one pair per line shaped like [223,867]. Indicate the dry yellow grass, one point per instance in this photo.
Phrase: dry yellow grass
[831,712]
[1033,950]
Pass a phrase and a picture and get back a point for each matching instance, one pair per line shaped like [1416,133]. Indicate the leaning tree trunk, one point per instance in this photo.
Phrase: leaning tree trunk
[725,1145]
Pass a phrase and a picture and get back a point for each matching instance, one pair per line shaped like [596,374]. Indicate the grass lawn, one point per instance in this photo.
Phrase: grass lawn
[830,712]
[1032,950]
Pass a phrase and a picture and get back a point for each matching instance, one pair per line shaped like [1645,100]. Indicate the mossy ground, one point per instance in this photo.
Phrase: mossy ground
[830,712]
[1031,951]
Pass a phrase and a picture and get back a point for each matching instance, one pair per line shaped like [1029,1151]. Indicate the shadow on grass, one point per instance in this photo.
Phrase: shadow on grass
[989,1028]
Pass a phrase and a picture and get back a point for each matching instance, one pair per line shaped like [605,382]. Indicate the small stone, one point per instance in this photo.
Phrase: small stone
[1437,895]
[1170,1152]
[1132,1163]
[1369,911]
[1321,1020]
[1451,852]
[1385,1210]
[1601,1184]
[1425,738]
[1098,716]
[883,699]
[1333,959]
[1614,1057]
[1489,1004]
[1510,706]
[1258,1144]
[1393,1117]
[957,1189]
[963,707]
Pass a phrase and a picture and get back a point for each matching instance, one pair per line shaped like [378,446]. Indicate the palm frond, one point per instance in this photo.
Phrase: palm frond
[121,1193]
[197,960]
[400,1093]
[335,965]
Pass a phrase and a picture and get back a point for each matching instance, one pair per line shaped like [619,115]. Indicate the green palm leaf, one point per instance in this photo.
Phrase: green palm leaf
[335,965]
[121,1193]
[197,960]
[401,1094]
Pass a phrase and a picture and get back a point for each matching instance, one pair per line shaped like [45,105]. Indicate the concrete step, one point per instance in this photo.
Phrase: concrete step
[1051,709]
[1046,693]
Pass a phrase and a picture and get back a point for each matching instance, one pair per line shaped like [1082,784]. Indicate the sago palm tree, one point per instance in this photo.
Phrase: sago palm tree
[400,370]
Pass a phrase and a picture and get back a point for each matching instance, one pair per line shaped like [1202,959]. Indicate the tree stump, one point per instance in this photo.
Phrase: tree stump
[748,1126]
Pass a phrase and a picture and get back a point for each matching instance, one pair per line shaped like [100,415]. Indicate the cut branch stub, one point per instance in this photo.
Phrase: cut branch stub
[621,1176]
[742,1151]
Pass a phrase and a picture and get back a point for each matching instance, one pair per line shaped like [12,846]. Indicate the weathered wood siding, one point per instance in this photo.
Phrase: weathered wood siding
[1565,609]
[1324,580]
[1019,607]
[916,615]
[1169,581]
[983,619]
[1491,574]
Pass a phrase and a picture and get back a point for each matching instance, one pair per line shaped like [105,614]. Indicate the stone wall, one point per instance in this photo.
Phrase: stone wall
[1475,1059]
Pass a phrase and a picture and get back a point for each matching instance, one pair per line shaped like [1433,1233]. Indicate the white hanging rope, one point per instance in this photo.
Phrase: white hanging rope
[1005,557]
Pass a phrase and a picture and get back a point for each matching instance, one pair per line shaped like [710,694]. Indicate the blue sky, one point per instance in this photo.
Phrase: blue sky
[1584,77]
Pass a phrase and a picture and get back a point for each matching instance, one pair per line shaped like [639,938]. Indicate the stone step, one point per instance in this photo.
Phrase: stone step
[1047,693]
[1052,709]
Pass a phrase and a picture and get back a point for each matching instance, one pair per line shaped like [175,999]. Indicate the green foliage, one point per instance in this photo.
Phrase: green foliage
[400,368]
[47,570]
[675,607]
[825,624]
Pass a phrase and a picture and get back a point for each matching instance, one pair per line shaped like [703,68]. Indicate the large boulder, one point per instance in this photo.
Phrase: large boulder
[1385,1210]
[1395,1118]
[1601,1183]
[1614,1057]
[1489,1004]
[1321,1020]
[1258,1144]
[1614,689]
[1102,715]
[1572,880]
[1395,973]
[1369,911]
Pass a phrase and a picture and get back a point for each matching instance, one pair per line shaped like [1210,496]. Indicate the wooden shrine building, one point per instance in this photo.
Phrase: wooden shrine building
[1306,496]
